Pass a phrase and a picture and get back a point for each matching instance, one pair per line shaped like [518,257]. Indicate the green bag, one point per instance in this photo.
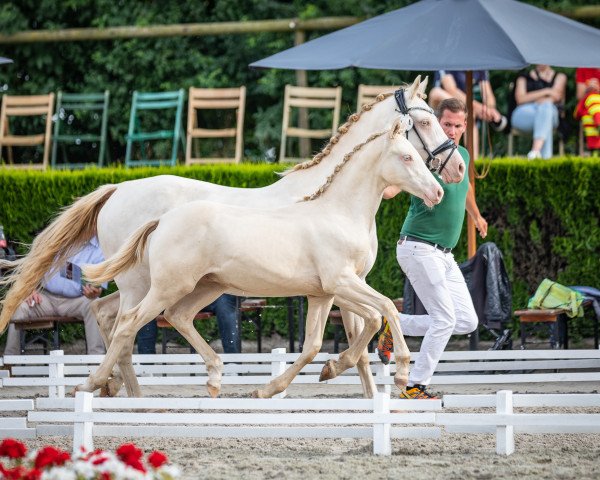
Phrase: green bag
[554,295]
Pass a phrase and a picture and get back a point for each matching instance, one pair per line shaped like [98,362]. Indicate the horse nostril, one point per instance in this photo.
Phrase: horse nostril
[461,168]
[440,193]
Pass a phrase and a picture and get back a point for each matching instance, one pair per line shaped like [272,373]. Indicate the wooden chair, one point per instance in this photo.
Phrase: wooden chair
[308,97]
[368,93]
[26,106]
[74,113]
[518,133]
[216,99]
[150,101]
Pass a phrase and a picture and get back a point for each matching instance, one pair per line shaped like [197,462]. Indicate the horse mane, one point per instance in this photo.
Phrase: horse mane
[352,119]
[339,166]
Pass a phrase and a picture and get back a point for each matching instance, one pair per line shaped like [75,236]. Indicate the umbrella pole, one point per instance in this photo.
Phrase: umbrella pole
[471,238]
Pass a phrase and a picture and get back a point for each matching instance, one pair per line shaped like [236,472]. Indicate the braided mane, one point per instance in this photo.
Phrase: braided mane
[355,117]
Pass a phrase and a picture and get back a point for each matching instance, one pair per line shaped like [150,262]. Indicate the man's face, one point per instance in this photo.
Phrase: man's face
[453,124]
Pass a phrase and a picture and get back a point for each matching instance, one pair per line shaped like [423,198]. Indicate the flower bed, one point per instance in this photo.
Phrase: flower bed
[50,463]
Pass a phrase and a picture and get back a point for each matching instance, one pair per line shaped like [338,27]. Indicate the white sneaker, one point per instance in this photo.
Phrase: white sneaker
[533,154]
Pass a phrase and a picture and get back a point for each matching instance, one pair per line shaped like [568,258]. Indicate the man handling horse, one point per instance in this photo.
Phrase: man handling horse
[424,253]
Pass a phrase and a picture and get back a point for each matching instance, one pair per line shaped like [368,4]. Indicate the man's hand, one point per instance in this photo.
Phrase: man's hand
[481,225]
[91,292]
[33,299]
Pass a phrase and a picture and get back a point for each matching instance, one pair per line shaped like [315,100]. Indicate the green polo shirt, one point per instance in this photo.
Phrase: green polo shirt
[441,224]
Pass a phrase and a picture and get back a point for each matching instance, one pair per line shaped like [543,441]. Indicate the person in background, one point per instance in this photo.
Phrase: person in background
[424,253]
[224,308]
[452,84]
[587,82]
[539,94]
[64,294]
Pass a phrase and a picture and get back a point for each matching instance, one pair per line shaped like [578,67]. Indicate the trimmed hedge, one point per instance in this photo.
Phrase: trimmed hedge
[542,214]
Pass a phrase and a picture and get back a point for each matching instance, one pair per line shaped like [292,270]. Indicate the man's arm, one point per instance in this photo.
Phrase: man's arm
[473,211]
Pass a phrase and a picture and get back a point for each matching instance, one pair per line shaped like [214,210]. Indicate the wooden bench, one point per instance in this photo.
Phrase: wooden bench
[42,325]
[555,319]
[335,317]
[250,310]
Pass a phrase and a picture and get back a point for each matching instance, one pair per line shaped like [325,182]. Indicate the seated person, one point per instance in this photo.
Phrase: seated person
[538,95]
[588,109]
[63,294]
[452,84]
[224,308]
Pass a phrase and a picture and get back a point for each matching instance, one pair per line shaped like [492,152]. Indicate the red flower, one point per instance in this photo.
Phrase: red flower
[105,476]
[131,455]
[12,449]
[33,474]
[157,459]
[15,473]
[49,456]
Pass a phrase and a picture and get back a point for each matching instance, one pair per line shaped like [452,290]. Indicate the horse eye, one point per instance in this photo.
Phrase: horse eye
[407,158]
[425,123]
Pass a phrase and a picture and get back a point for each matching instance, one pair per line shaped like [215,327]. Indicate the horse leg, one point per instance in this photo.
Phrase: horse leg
[355,295]
[316,319]
[127,326]
[353,325]
[181,316]
[105,310]
[162,294]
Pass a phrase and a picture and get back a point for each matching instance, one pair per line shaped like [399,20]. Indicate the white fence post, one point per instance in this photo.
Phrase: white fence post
[383,371]
[278,368]
[382,440]
[505,439]
[56,371]
[83,431]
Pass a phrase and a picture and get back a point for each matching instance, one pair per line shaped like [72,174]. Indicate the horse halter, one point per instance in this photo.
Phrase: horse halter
[433,163]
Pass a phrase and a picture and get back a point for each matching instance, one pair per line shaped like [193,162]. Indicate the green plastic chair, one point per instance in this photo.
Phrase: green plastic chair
[154,101]
[72,111]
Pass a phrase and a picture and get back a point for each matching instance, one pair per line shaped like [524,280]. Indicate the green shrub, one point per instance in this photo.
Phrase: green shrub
[543,215]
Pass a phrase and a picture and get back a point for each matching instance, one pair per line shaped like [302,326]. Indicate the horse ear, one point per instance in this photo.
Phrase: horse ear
[400,126]
[412,90]
[423,87]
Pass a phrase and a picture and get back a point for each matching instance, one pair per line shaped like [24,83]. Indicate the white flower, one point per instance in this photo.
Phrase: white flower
[59,473]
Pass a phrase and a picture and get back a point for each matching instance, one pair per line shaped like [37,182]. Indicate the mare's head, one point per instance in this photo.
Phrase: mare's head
[401,166]
[424,130]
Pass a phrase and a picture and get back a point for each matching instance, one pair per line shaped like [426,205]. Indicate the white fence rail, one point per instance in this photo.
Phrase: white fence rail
[381,419]
[58,371]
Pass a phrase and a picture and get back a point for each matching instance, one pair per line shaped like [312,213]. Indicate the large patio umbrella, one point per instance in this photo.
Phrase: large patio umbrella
[450,35]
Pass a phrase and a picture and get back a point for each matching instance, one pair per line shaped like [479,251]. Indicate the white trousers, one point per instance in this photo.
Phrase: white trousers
[441,287]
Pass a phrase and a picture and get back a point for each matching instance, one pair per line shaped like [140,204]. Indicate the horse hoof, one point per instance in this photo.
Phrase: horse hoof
[328,371]
[213,390]
[401,381]
[113,386]
[258,394]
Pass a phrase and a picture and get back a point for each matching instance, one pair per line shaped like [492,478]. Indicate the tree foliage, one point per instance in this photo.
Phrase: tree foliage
[171,63]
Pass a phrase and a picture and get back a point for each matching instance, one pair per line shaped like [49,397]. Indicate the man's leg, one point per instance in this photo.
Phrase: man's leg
[80,307]
[45,308]
[225,308]
[426,268]
[146,338]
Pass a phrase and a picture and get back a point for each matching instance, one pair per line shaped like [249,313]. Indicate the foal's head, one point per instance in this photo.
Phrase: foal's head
[401,166]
